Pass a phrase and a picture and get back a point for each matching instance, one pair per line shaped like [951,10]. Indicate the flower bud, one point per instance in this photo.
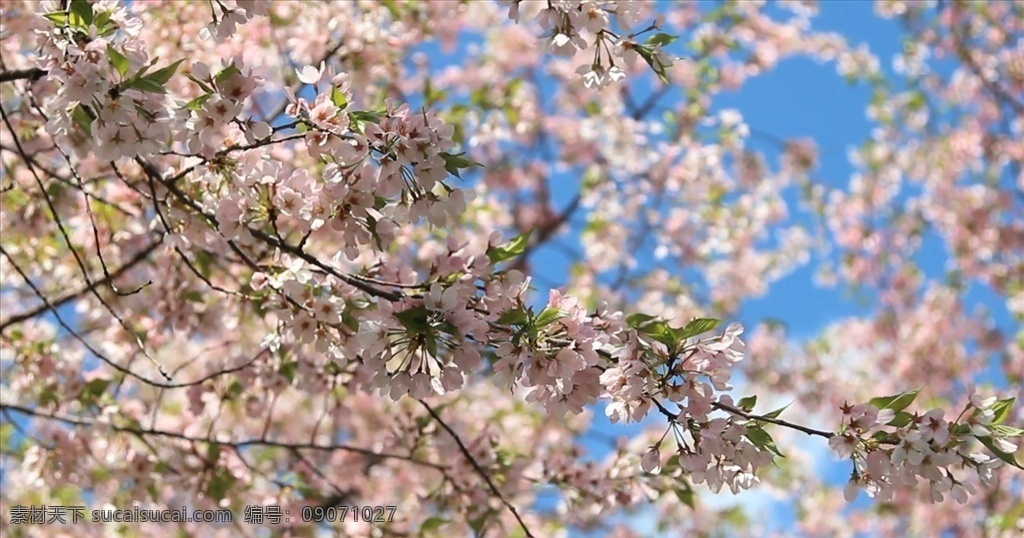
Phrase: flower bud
[651,462]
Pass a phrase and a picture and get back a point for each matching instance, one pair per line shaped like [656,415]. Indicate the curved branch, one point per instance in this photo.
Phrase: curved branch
[71,296]
[82,422]
[778,422]
[479,470]
[31,75]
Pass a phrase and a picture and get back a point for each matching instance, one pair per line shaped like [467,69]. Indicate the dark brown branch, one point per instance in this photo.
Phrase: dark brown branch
[476,466]
[741,413]
[71,296]
[99,354]
[153,173]
[31,75]
[1001,94]
[139,431]
[74,251]
[547,231]
[777,422]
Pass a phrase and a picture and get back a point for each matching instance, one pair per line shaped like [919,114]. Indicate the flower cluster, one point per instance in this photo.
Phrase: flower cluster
[210,114]
[571,25]
[228,15]
[421,346]
[891,448]
[553,354]
[108,89]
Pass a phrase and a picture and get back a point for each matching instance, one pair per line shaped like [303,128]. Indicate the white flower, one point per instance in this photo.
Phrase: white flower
[1004,445]
[615,74]
[934,428]
[201,71]
[440,298]
[844,445]
[260,130]
[651,462]
[979,402]
[850,491]
[593,75]
[626,51]
[310,74]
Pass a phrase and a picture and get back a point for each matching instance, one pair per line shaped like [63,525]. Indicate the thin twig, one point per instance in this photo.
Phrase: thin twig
[79,421]
[476,466]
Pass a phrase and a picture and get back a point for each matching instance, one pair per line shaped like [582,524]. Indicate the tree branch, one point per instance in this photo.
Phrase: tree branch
[479,470]
[32,74]
[83,422]
[135,260]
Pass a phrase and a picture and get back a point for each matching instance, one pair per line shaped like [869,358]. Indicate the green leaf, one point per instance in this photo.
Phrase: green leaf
[288,370]
[1002,430]
[80,14]
[220,483]
[956,429]
[762,439]
[95,387]
[118,60]
[145,69]
[414,319]
[392,8]
[652,61]
[636,320]
[203,263]
[512,113]
[365,116]
[509,250]
[198,102]
[1007,457]
[513,317]
[747,404]
[548,316]
[896,402]
[206,88]
[47,397]
[235,389]
[82,119]
[430,343]
[433,523]
[7,439]
[660,40]
[777,412]
[59,18]
[161,76]
[477,523]
[901,419]
[660,331]
[695,327]
[1001,409]
[453,163]
[103,24]
[478,98]
[213,452]
[146,85]
[884,437]
[685,496]
[339,99]
[226,73]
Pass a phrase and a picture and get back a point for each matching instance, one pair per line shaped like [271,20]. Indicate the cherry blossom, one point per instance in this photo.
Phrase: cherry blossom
[275,253]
